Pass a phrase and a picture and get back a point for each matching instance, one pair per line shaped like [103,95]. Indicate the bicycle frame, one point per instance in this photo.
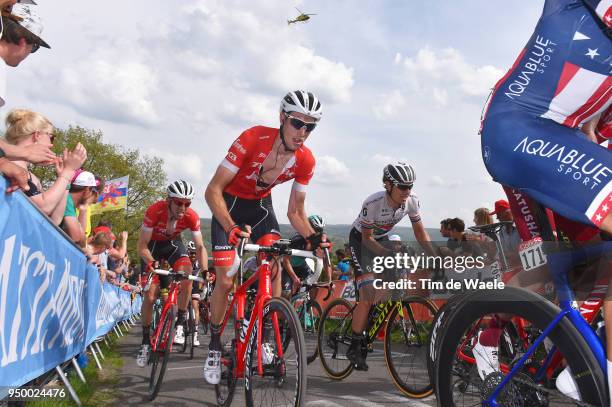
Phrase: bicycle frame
[560,264]
[170,302]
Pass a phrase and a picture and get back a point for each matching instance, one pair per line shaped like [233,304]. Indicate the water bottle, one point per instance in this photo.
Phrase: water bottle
[244,329]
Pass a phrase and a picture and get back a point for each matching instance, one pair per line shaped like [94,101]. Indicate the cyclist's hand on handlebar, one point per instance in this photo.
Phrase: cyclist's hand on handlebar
[236,233]
[319,241]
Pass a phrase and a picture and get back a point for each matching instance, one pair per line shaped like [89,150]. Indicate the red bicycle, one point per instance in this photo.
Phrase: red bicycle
[163,336]
[271,354]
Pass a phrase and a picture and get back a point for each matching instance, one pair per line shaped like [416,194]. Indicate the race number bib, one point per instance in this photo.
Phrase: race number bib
[532,254]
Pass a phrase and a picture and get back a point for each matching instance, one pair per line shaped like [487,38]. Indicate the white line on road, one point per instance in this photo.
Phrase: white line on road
[323,403]
[185,367]
[400,399]
[362,401]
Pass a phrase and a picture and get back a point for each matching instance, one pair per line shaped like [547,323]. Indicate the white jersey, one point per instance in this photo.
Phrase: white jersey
[376,214]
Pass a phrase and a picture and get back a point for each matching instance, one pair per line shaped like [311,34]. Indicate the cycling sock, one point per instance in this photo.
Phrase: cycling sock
[182,316]
[215,337]
[609,375]
[145,335]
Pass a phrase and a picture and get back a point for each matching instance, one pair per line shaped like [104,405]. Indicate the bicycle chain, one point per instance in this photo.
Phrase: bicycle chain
[551,391]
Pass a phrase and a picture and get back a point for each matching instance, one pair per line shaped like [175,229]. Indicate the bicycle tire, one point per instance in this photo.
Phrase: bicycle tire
[275,371]
[157,372]
[191,323]
[435,333]
[228,378]
[313,312]
[539,312]
[334,340]
[415,343]
[204,318]
[186,332]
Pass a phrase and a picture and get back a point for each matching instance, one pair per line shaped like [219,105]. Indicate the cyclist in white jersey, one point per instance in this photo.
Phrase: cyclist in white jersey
[379,213]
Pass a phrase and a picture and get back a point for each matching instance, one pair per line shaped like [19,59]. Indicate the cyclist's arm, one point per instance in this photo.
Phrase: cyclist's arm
[421,235]
[367,237]
[201,253]
[296,212]
[143,245]
[214,197]
[289,270]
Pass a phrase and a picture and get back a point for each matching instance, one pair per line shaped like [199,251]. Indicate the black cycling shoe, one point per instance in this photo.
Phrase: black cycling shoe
[356,356]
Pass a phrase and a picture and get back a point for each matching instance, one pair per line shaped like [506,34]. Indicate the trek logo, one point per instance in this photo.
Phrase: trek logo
[571,163]
[537,61]
[239,147]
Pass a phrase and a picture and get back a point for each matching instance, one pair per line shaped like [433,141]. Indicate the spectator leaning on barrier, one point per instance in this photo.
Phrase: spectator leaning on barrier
[81,190]
[510,238]
[25,127]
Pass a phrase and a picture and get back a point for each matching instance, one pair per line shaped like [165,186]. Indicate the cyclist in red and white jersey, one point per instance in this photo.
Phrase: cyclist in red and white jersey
[239,194]
[160,239]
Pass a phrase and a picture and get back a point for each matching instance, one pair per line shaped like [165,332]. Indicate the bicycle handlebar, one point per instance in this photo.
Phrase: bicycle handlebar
[179,274]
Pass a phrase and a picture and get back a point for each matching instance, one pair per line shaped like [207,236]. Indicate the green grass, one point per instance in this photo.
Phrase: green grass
[101,384]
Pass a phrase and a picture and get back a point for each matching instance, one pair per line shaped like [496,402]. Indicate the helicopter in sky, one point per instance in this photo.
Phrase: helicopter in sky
[302,18]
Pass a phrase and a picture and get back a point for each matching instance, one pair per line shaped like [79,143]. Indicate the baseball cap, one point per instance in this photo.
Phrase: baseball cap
[395,238]
[85,179]
[28,18]
[500,206]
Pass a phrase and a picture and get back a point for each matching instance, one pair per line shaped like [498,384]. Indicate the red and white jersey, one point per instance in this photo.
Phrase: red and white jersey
[246,156]
[156,220]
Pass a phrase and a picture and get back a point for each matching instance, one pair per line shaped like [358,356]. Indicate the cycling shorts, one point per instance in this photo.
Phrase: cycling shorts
[553,164]
[257,213]
[303,272]
[170,250]
[361,257]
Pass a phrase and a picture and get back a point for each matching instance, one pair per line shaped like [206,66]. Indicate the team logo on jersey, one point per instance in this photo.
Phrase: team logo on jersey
[570,162]
[486,154]
[239,147]
[231,156]
[261,155]
[536,61]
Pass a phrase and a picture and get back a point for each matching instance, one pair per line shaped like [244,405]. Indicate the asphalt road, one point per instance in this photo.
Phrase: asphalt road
[184,384]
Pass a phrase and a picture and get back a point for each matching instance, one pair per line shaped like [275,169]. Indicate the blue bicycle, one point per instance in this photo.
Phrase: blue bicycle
[534,335]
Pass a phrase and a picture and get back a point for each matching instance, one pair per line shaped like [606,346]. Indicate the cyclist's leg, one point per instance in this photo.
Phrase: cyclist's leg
[364,280]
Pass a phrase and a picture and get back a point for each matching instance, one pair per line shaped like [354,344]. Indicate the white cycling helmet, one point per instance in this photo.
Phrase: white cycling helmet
[181,189]
[395,238]
[302,102]
[399,173]
[191,246]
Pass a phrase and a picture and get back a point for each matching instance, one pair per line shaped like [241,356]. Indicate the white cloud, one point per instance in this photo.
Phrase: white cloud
[331,171]
[389,105]
[437,181]
[442,74]
[185,166]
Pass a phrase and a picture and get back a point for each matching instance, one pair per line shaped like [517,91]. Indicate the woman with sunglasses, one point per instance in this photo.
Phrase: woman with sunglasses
[379,213]
[25,128]
[240,194]
[160,239]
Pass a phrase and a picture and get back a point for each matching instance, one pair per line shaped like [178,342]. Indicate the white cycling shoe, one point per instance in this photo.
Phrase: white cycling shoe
[179,336]
[487,360]
[143,356]
[196,341]
[212,367]
[567,385]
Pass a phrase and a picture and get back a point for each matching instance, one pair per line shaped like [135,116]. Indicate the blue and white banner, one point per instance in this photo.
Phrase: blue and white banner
[52,303]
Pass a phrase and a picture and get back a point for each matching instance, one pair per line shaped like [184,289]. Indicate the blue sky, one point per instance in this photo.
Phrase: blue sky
[398,79]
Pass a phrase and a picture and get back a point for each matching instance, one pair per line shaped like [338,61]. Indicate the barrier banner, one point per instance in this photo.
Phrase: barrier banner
[52,303]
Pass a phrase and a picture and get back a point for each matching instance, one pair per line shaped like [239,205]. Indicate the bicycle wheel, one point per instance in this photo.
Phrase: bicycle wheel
[284,377]
[438,326]
[458,380]
[162,353]
[310,323]
[204,317]
[186,330]
[334,339]
[191,323]
[406,339]
[224,391]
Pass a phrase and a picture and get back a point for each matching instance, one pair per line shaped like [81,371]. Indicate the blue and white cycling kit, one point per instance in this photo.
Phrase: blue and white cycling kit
[530,135]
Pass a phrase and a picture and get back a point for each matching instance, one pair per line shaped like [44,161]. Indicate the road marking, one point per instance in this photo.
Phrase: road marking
[362,401]
[323,403]
[185,367]
[400,399]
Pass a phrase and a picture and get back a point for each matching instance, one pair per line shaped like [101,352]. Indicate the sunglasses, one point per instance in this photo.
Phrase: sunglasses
[35,47]
[404,187]
[299,124]
[180,203]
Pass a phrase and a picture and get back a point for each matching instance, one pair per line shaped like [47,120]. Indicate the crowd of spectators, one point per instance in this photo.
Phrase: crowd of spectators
[28,141]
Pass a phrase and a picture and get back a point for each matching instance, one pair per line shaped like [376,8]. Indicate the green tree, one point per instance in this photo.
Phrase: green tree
[108,161]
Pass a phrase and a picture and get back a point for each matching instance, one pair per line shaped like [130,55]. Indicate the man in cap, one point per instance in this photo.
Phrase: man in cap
[510,237]
[81,190]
